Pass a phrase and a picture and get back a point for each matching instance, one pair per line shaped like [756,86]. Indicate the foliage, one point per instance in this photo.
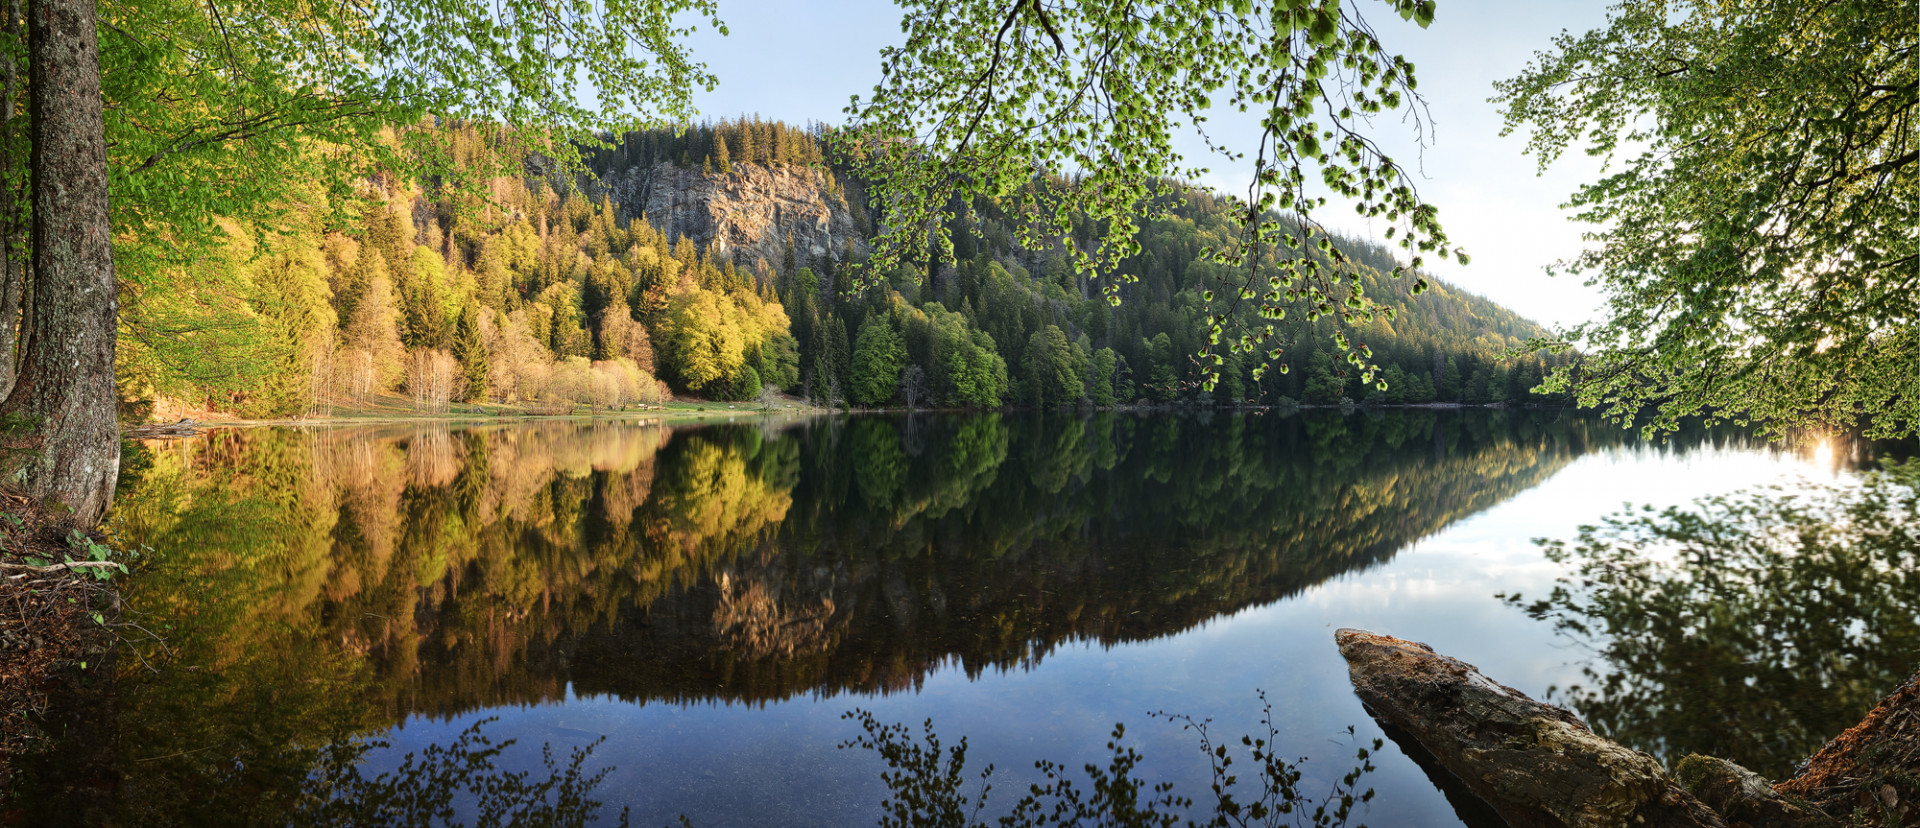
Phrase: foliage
[216,112]
[235,130]
[927,786]
[878,357]
[1096,92]
[536,272]
[1761,246]
[1799,608]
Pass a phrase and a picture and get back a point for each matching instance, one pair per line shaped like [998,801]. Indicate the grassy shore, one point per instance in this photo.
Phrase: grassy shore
[393,408]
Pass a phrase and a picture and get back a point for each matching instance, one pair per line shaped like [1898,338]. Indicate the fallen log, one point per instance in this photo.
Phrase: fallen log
[150,431]
[1743,798]
[1536,765]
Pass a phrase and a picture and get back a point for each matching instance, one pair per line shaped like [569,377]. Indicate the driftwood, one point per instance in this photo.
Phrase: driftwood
[1743,798]
[62,567]
[1532,763]
[183,428]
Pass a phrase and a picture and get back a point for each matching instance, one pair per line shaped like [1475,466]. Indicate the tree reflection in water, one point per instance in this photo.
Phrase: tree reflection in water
[1753,626]
[317,586]
[453,784]
[928,786]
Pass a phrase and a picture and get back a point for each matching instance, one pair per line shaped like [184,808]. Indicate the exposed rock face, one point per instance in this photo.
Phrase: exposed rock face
[747,214]
[1533,763]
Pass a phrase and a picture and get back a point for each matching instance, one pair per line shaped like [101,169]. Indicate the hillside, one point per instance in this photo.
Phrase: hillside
[716,261]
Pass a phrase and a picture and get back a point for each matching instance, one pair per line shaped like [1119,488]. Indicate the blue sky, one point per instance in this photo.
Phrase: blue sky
[801,61]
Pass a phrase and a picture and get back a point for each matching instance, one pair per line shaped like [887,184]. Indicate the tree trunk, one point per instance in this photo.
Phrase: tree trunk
[1743,798]
[13,267]
[1873,768]
[1533,763]
[70,447]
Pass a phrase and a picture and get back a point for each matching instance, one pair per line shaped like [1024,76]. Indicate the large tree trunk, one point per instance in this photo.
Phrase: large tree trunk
[1533,763]
[65,391]
[13,266]
[1874,767]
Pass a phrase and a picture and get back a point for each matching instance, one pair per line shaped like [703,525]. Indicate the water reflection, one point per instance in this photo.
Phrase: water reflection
[318,584]
[452,784]
[1753,626]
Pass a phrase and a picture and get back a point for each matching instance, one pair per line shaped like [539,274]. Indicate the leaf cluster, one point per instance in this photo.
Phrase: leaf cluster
[1760,243]
[1066,116]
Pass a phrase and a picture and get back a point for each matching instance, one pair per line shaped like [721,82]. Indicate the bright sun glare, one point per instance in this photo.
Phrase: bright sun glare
[1823,452]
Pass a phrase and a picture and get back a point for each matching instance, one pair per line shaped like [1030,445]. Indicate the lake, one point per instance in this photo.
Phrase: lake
[694,609]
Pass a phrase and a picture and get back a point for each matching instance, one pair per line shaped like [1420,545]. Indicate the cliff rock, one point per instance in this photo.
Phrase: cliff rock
[746,214]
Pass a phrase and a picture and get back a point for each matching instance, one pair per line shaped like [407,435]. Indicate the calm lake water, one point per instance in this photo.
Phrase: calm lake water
[700,605]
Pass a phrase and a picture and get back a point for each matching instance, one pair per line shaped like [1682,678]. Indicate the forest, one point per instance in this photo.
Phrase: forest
[541,290]
[402,212]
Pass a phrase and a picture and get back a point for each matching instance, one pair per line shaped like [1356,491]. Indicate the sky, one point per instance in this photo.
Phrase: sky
[800,62]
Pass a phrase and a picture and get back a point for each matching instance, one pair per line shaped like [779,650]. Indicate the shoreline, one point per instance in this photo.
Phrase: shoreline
[703,411]
[682,413]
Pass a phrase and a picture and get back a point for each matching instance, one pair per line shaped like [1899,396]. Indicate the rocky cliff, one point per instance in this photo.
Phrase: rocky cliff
[747,214]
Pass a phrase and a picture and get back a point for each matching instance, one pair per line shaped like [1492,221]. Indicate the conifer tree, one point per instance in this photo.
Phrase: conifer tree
[1100,380]
[839,353]
[470,349]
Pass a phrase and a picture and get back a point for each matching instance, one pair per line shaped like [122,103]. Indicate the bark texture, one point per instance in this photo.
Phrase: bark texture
[13,268]
[1533,763]
[70,449]
[1742,797]
[1871,773]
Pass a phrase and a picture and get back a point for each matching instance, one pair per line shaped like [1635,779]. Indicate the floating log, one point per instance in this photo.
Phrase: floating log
[183,428]
[1536,765]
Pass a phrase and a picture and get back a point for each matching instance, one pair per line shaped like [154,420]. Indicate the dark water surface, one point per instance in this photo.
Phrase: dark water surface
[700,605]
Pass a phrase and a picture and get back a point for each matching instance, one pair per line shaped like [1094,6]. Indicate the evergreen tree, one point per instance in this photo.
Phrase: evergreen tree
[839,354]
[746,385]
[470,349]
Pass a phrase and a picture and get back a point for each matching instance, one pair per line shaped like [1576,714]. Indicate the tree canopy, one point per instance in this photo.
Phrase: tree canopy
[244,111]
[1760,244]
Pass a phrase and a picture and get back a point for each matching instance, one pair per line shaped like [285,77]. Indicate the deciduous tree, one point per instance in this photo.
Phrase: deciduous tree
[1760,246]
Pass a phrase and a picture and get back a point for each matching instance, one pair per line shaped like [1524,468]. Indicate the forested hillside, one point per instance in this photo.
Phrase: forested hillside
[716,262]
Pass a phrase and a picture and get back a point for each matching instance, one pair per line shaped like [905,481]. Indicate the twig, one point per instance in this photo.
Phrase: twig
[59,566]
